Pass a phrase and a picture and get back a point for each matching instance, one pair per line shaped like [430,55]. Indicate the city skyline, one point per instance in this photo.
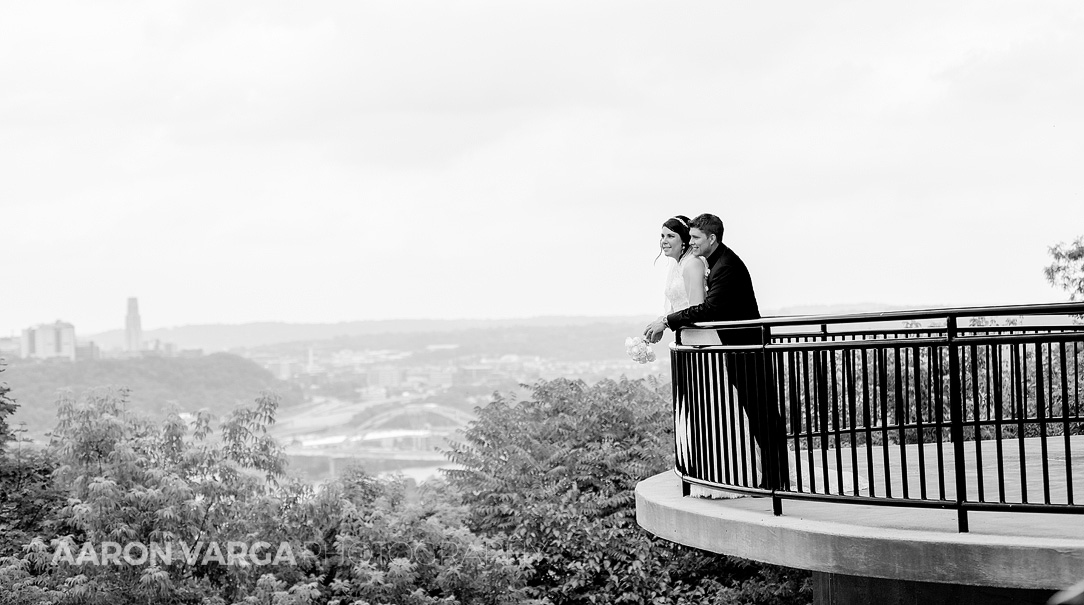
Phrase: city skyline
[342,162]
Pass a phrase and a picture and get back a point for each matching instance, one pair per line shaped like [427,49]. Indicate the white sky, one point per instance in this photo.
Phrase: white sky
[334,161]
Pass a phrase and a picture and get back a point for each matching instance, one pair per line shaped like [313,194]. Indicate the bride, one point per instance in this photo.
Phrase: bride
[686,280]
[685,286]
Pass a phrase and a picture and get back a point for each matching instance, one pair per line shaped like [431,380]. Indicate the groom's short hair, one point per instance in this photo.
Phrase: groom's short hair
[709,223]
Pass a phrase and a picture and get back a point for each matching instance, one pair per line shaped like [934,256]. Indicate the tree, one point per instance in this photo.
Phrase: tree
[27,493]
[555,475]
[129,481]
[7,408]
[380,546]
[1066,271]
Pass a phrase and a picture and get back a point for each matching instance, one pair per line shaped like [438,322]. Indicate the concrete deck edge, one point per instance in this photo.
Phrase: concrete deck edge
[746,528]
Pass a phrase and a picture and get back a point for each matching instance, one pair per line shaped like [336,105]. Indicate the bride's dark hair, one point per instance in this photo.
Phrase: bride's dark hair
[679,224]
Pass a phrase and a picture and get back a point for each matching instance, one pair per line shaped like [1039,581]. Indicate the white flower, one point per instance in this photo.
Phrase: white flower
[639,350]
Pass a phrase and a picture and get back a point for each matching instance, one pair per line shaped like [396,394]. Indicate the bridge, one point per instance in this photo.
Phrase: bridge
[408,434]
[457,418]
[920,456]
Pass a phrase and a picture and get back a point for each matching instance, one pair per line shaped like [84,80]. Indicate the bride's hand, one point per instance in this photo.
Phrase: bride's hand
[653,331]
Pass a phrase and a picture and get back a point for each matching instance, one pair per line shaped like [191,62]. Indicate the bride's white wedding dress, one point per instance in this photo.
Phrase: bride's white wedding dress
[677,298]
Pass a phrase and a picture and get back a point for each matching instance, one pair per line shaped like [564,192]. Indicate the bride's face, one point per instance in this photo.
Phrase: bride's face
[670,243]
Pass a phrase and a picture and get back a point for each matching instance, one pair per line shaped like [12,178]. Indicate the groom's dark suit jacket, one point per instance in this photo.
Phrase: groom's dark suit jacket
[729,297]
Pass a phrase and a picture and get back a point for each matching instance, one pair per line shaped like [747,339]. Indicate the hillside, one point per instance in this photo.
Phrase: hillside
[217,382]
[223,337]
[601,341]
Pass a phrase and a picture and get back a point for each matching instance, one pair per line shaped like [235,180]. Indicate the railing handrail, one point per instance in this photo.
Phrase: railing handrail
[942,376]
[1070,308]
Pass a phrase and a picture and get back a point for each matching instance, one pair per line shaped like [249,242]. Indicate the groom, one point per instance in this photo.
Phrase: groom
[730,297]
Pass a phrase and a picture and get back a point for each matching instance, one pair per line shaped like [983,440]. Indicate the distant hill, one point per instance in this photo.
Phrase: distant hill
[225,337]
[587,342]
[845,309]
[218,382]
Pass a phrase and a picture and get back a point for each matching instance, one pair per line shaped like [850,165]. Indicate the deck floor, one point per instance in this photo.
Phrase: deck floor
[1016,474]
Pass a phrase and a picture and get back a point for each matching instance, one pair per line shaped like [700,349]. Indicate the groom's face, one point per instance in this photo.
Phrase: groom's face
[701,243]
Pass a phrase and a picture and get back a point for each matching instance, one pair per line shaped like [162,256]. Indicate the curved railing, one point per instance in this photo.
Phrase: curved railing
[969,409]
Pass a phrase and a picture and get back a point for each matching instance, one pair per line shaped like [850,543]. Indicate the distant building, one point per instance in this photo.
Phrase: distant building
[385,376]
[474,374]
[372,393]
[133,328]
[441,378]
[87,350]
[49,341]
[311,367]
[11,347]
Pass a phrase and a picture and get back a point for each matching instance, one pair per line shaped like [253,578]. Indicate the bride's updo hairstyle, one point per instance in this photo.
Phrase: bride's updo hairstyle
[678,224]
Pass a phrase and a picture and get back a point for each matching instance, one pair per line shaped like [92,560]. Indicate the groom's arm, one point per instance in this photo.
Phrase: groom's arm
[714,307]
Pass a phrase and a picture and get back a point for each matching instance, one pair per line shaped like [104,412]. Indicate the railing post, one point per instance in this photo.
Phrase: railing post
[771,428]
[677,382]
[956,422]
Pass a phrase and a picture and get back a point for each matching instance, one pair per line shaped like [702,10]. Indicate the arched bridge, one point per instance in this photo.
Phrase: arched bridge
[457,418]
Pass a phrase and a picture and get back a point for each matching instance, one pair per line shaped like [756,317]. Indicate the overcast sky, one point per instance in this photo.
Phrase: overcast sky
[334,161]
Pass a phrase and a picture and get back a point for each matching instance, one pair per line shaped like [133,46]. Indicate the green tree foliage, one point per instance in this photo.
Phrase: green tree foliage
[555,475]
[28,497]
[7,408]
[379,546]
[542,513]
[1066,270]
[27,492]
[129,480]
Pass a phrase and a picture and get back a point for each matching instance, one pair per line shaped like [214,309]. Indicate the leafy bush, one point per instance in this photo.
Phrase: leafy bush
[555,474]
[542,512]
[128,480]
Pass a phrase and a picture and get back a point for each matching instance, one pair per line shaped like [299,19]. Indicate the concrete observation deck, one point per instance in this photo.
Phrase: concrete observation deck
[1012,550]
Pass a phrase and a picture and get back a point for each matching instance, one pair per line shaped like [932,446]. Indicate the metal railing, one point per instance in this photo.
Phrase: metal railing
[972,409]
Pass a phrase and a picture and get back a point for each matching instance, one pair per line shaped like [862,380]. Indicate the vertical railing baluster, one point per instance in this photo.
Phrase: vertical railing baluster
[881,370]
[999,418]
[677,380]
[821,379]
[919,427]
[836,428]
[936,405]
[715,391]
[901,416]
[852,414]
[731,470]
[867,420]
[796,416]
[1021,412]
[956,430]
[720,449]
[1065,425]
[1040,417]
[703,401]
[981,497]
[810,416]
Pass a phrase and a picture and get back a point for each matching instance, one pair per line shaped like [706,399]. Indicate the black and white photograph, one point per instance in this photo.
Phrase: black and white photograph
[501,303]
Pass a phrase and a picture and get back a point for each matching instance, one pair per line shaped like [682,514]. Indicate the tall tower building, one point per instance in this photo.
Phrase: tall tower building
[133,328]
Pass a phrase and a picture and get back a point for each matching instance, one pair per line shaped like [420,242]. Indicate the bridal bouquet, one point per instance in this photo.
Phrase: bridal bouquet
[638,349]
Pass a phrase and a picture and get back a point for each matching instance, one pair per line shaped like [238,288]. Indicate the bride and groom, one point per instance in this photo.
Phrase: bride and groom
[709,282]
